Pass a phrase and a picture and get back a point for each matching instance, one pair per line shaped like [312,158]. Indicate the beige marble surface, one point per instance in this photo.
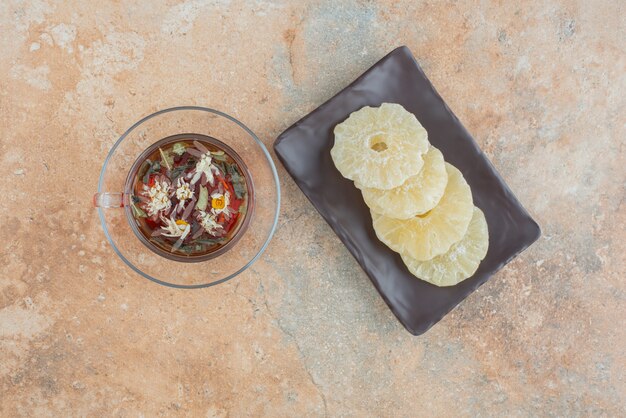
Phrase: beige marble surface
[540,84]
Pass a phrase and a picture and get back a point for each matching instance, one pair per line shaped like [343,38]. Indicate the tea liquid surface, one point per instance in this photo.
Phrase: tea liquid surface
[189,196]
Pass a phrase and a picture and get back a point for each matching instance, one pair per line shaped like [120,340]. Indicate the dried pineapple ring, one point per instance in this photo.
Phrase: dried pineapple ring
[417,195]
[379,147]
[433,233]
[460,262]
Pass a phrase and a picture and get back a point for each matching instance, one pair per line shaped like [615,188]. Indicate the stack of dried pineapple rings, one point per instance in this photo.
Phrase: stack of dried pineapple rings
[421,206]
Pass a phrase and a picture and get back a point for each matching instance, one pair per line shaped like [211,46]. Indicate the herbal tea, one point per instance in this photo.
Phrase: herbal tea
[190,196]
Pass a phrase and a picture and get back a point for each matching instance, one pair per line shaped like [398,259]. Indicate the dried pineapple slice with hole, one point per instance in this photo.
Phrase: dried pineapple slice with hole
[462,259]
[417,195]
[425,236]
[379,147]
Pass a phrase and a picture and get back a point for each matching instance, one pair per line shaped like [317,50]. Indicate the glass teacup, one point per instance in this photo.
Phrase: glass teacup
[169,244]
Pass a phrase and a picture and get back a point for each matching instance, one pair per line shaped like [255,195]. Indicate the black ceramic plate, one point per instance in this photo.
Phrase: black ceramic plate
[304,149]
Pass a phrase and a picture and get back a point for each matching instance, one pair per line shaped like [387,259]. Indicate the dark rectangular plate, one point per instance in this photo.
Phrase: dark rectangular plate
[304,149]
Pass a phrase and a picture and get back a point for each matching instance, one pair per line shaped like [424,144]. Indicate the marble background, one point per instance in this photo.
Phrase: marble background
[540,84]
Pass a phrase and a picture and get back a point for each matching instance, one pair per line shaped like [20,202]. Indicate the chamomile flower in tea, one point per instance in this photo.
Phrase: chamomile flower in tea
[189,197]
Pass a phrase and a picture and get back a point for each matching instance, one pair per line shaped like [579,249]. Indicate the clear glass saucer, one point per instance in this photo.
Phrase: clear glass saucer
[262,171]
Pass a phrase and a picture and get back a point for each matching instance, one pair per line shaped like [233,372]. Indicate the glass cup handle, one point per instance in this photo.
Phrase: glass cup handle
[110,200]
